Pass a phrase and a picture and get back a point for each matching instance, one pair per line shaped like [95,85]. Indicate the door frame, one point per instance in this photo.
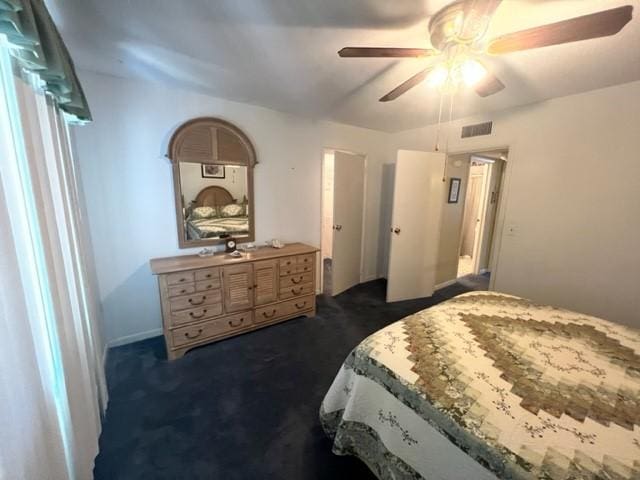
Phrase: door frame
[484,198]
[320,287]
[504,189]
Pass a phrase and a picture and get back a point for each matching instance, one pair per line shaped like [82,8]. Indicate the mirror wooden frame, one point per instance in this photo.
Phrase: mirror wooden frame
[209,140]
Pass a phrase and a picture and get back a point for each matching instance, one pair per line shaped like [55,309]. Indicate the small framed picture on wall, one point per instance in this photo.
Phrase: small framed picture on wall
[212,171]
[454,190]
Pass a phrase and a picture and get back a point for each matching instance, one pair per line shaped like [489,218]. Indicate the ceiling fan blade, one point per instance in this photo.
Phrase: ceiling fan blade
[489,85]
[386,52]
[482,7]
[477,12]
[406,86]
[601,24]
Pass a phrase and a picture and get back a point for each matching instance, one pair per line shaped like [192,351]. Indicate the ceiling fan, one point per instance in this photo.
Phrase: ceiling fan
[457,35]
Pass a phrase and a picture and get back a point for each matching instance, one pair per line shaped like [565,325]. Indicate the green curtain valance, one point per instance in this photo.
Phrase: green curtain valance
[38,48]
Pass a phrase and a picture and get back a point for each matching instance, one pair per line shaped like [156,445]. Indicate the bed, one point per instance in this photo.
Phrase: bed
[214,225]
[487,386]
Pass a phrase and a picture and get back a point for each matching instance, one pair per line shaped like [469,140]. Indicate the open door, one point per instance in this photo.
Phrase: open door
[418,196]
[348,208]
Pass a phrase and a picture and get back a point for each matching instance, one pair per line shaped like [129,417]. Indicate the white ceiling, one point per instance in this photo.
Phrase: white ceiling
[281,54]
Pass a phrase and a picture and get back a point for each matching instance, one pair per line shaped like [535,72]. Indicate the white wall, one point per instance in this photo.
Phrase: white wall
[572,187]
[129,189]
[192,182]
[573,197]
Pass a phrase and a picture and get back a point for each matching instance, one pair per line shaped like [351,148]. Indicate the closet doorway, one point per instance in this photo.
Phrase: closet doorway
[481,198]
[343,194]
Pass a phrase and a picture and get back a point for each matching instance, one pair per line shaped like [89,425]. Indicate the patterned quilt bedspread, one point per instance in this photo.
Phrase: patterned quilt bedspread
[212,227]
[489,385]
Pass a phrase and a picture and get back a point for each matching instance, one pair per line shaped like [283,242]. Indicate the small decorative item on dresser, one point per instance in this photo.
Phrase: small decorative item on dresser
[248,247]
[276,243]
[230,245]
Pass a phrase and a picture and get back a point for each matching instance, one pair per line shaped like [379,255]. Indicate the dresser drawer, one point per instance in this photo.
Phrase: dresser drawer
[196,333]
[305,259]
[295,268]
[205,285]
[296,264]
[195,314]
[302,304]
[268,313]
[282,309]
[296,291]
[181,290]
[211,328]
[197,299]
[179,278]
[237,321]
[287,262]
[212,274]
[296,279]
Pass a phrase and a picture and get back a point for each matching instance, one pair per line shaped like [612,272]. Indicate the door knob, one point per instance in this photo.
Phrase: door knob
[396,230]
[337,227]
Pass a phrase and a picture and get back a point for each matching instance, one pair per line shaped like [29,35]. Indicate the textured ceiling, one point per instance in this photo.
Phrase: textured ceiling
[281,54]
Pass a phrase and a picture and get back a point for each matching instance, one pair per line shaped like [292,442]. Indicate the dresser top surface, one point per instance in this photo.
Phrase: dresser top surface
[192,262]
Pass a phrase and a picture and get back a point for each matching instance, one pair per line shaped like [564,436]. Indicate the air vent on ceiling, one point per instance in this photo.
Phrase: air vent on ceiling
[477,129]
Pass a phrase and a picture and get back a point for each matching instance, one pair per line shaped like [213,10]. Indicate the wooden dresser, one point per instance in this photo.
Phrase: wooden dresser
[208,299]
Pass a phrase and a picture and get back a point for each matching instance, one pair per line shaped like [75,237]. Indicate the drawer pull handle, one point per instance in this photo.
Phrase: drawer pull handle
[184,290]
[192,315]
[191,337]
[305,260]
[208,275]
[240,321]
[299,280]
[264,314]
[204,297]
[183,280]
[299,307]
[299,290]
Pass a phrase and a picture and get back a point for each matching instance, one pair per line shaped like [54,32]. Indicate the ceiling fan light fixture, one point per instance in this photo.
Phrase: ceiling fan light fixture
[438,76]
[472,71]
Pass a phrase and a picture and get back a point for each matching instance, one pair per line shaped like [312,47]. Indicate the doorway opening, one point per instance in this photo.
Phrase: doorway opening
[482,194]
[342,224]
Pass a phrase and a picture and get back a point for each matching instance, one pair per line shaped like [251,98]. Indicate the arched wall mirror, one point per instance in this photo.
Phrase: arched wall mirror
[213,164]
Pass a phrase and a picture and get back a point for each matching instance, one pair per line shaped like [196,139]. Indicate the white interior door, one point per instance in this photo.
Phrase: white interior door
[481,217]
[348,207]
[418,196]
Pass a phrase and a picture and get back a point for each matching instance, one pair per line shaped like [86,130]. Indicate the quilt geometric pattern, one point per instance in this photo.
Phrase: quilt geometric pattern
[553,392]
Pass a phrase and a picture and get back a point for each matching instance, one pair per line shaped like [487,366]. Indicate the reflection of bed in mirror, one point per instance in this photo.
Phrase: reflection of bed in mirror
[215,212]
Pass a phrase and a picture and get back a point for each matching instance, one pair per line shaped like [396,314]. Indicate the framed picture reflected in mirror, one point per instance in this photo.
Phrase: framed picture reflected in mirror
[212,171]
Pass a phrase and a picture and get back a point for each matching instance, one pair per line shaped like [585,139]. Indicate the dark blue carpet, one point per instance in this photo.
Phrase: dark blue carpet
[246,407]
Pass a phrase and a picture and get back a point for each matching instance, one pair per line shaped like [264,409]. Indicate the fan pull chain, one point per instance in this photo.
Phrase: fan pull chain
[446,146]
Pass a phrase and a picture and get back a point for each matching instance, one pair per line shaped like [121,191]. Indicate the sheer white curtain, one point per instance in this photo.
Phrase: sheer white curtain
[52,389]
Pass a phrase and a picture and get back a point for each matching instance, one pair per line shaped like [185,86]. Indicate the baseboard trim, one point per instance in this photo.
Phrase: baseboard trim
[136,337]
[369,278]
[445,284]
